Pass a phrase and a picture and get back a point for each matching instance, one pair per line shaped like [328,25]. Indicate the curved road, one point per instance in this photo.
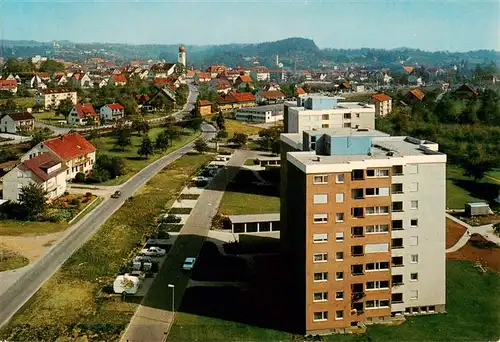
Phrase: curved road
[26,286]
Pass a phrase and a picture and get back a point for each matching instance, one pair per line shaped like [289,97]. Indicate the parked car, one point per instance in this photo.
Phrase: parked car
[188,264]
[153,251]
[142,262]
[117,194]
[200,179]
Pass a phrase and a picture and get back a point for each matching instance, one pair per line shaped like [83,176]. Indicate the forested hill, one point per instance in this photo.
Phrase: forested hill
[302,52]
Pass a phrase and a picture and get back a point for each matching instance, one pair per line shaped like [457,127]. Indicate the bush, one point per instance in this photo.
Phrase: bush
[171,219]
[88,194]
[162,234]
[75,201]
[97,176]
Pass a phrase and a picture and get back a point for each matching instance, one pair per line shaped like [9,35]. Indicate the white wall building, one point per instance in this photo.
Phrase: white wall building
[260,114]
[51,97]
[112,111]
[16,123]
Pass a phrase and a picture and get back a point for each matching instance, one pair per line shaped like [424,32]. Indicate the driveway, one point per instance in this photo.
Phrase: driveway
[17,139]
[27,284]
[154,317]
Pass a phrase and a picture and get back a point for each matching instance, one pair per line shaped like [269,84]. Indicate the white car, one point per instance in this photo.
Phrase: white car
[188,264]
[153,251]
[201,179]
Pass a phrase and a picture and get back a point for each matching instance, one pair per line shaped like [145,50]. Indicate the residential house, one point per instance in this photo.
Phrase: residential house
[161,70]
[387,79]
[466,91]
[60,79]
[77,154]
[278,75]
[409,69]
[345,87]
[112,112]
[229,102]
[101,82]
[45,169]
[51,97]
[271,86]
[35,82]
[117,80]
[270,97]
[80,81]
[166,81]
[190,74]
[490,79]
[214,70]
[202,77]
[383,104]
[220,85]
[243,82]
[82,114]
[305,74]
[260,73]
[11,78]
[300,91]
[414,95]
[8,85]
[164,97]
[16,123]
[204,107]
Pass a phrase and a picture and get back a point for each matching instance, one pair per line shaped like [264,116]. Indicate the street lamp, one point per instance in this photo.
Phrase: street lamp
[173,296]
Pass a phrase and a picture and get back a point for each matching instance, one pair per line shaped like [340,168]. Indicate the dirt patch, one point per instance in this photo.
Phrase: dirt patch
[454,232]
[479,249]
[30,246]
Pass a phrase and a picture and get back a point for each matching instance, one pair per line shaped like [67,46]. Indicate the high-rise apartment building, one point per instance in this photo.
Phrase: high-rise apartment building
[363,227]
[318,111]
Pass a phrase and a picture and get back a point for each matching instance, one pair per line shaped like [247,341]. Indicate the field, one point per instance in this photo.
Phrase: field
[69,303]
[234,126]
[461,189]
[134,162]
[21,102]
[10,260]
[49,116]
[225,314]
[243,197]
[479,249]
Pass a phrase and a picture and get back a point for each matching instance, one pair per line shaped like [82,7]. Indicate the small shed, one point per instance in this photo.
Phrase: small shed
[477,209]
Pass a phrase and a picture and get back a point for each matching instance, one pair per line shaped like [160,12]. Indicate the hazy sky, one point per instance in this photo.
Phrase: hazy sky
[429,25]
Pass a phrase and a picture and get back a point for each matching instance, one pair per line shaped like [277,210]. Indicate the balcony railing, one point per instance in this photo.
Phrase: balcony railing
[356,296]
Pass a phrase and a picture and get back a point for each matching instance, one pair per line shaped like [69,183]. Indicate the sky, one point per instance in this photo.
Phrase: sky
[428,25]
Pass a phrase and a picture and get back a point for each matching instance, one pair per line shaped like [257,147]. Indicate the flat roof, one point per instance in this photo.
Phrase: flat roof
[279,107]
[347,131]
[269,158]
[478,204]
[273,217]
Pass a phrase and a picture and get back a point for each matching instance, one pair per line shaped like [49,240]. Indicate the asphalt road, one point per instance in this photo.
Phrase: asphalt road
[153,317]
[26,286]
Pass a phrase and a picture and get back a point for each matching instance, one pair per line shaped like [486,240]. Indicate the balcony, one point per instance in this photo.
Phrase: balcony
[357,175]
[397,170]
[397,298]
[357,232]
[357,193]
[397,261]
[397,207]
[357,251]
[397,280]
[397,243]
[397,188]
[357,270]
[397,224]
[357,296]
[357,308]
[357,212]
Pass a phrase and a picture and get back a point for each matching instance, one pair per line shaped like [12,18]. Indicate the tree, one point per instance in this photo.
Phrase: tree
[9,106]
[488,111]
[122,138]
[115,166]
[173,131]
[239,139]
[33,198]
[140,126]
[64,108]
[161,141]
[146,148]
[221,124]
[51,66]
[201,146]
[222,134]
[269,137]
[477,161]
[39,136]
[496,228]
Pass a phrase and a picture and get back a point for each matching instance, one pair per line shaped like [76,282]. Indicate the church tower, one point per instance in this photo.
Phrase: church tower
[181,57]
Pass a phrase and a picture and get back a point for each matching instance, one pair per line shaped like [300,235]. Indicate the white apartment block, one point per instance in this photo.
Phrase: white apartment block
[318,111]
[51,97]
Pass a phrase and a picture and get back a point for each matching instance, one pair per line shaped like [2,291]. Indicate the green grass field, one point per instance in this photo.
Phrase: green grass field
[49,116]
[71,297]
[461,189]
[234,126]
[133,162]
[10,260]
[22,102]
[472,315]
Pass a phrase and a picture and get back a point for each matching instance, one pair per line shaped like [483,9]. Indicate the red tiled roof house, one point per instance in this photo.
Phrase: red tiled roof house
[112,112]
[45,169]
[383,104]
[272,96]
[8,85]
[77,154]
[81,114]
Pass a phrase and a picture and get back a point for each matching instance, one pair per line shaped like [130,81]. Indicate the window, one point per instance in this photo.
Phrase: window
[377,229]
[374,304]
[377,173]
[397,261]
[414,258]
[358,174]
[397,206]
[379,284]
[339,256]
[357,193]
[357,231]
[414,204]
[320,218]
[347,115]
[325,125]
[377,266]
[413,240]
[357,115]
[321,237]
[376,248]
[356,269]
[413,168]
[397,188]
[320,316]
[339,275]
[339,178]
[397,170]
[339,236]
[414,186]
[356,250]
[347,125]
[320,257]
[320,276]
[320,198]
[413,276]
[377,191]
[397,224]
[325,117]
[397,243]
[339,217]
[339,198]
[414,223]
[339,295]
[321,179]
[320,296]
[397,298]
[339,314]
[413,294]
[377,210]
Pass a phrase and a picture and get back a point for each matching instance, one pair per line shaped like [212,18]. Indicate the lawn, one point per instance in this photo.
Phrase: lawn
[133,162]
[72,298]
[14,227]
[234,126]
[244,197]
[472,315]
[50,116]
[22,102]
[10,260]
[461,189]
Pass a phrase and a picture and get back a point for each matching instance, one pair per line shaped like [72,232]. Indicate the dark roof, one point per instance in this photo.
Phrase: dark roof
[21,116]
[40,164]
[56,90]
